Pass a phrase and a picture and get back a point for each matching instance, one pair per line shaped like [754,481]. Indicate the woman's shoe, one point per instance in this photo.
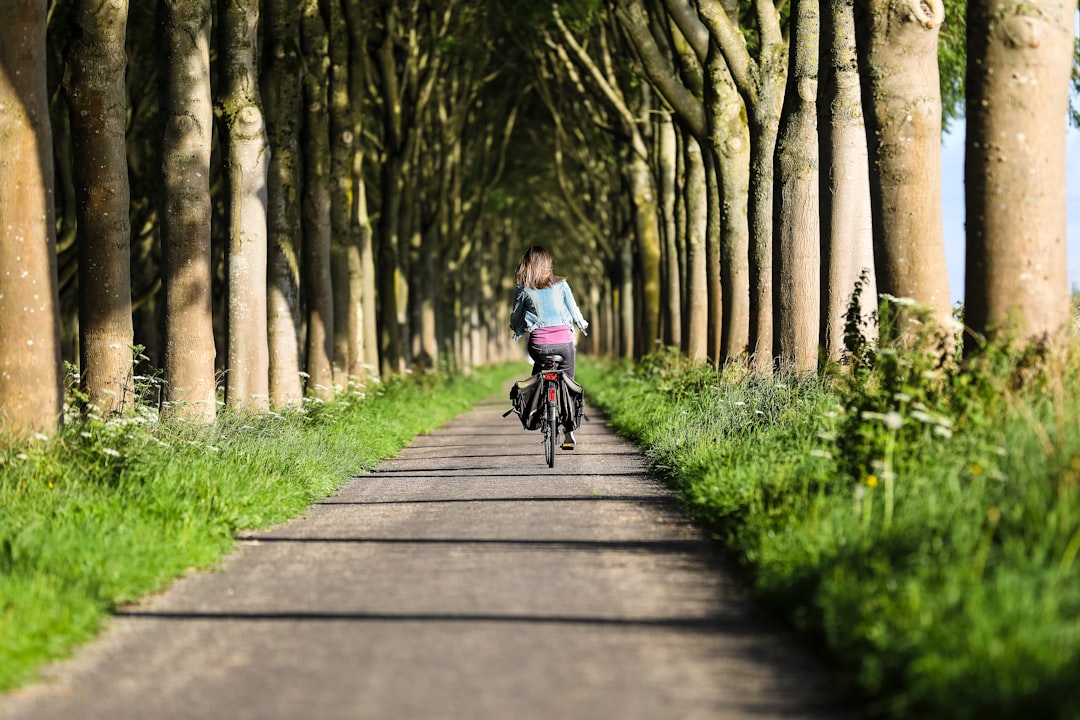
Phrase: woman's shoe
[568,440]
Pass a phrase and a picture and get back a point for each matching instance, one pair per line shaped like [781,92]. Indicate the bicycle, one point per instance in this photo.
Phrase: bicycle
[548,402]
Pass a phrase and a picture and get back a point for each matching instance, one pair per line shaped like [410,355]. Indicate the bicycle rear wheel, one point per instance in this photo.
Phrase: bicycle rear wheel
[549,447]
[551,434]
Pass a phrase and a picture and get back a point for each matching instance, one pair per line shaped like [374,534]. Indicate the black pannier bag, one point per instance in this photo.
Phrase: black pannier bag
[527,397]
[572,401]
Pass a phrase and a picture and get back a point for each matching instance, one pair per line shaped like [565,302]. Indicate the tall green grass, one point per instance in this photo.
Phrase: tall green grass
[920,523]
[109,511]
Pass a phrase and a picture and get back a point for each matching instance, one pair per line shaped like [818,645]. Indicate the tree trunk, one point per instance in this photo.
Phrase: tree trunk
[97,102]
[247,381]
[647,235]
[30,370]
[898,58]
[671,290]
[847,222]
[609,329]
[283,105]
[363,283]
[367,282]
[797,226]
[718,270]
[426,356]
[187,111]
[316,203]
[1019,63]
[391,353]
[388,272]
[319,289]
[407,250]
[763,137]
[626,298]
[729,138]
[348,349]
[697,273]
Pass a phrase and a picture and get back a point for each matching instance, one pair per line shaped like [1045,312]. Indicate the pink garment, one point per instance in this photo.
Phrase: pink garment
[551,335]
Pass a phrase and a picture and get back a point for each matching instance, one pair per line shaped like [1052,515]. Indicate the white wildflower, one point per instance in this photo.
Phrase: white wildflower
[923,417]
[892,419]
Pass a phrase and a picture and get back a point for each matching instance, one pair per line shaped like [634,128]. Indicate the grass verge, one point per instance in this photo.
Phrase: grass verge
[920,525]
[109,511]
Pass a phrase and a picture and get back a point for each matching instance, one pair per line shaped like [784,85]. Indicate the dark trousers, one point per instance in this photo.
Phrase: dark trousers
[539,352]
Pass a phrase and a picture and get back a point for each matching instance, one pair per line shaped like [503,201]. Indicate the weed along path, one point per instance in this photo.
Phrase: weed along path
[461,579]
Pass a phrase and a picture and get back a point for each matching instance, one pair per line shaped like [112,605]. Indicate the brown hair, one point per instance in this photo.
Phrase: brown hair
[534,270]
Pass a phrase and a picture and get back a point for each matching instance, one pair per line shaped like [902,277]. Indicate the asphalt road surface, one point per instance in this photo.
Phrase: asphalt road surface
[461,579]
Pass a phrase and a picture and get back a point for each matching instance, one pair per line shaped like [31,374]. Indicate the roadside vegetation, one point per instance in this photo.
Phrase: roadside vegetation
[919,521]
[112,509]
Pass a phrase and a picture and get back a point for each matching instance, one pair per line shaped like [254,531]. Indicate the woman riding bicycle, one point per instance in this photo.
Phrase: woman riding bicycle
[544,308]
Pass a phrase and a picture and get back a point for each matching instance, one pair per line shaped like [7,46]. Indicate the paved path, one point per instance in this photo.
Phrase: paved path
[462,579]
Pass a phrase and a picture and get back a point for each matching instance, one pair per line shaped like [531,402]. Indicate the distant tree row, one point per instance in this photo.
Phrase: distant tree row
[272,199]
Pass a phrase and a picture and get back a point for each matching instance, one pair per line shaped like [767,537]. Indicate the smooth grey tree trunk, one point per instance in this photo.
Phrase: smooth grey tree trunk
[30,370]
[367,279]
[283,104]
[348,341]
[671,291]
[316,204]
[96,62]
[797,229]
[626,298]
[729,139]
[188,115]
[847,221]
[897,44]
[697,273]
[388,274]
[367,364]
[1019,63]
[247,378]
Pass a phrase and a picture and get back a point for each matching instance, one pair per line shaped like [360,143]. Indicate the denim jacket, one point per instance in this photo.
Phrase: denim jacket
[547,307]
